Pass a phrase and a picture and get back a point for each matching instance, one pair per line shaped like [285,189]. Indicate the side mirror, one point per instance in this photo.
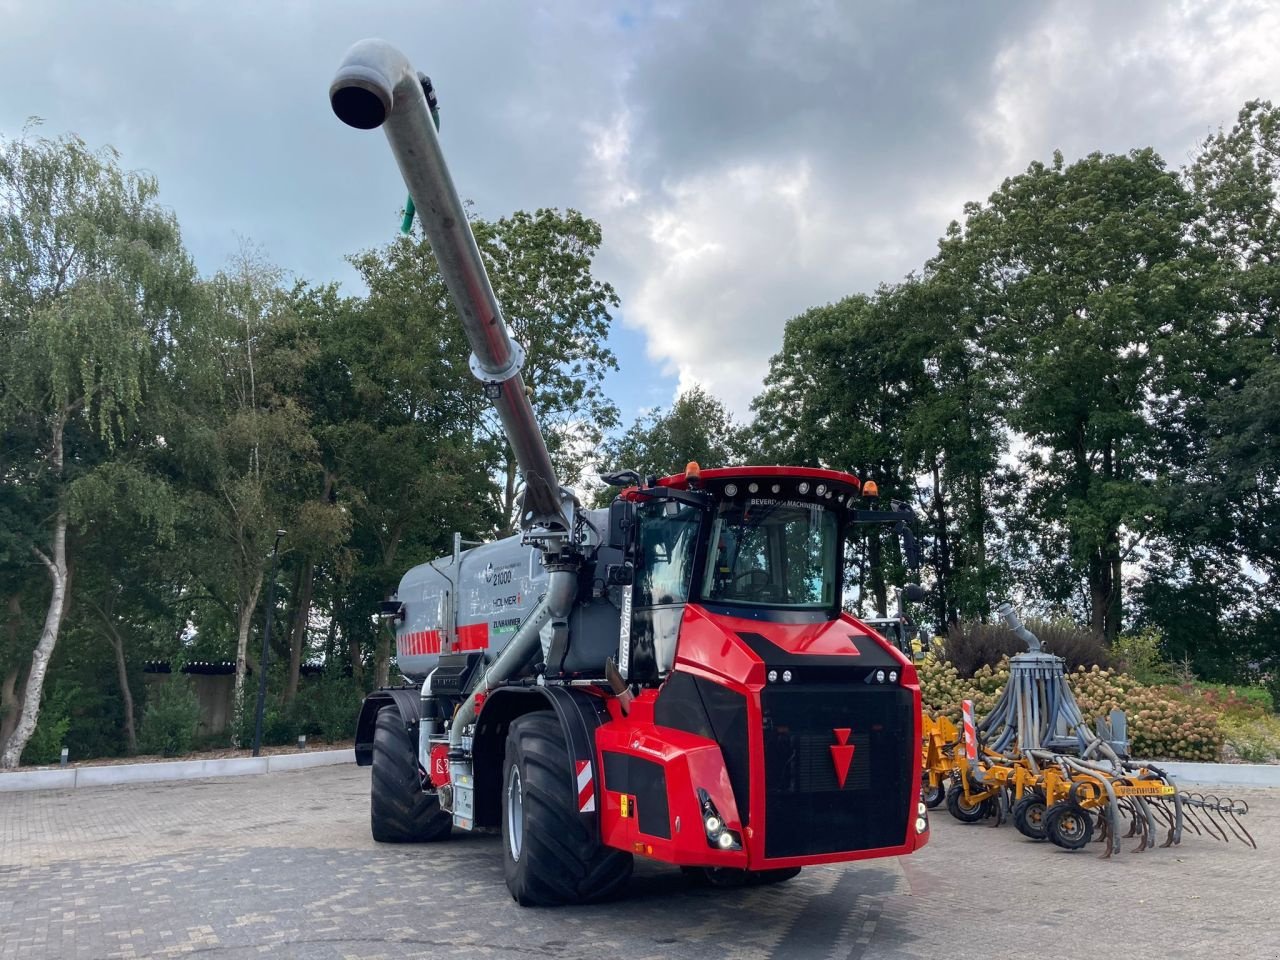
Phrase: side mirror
[622,517]
[913,593]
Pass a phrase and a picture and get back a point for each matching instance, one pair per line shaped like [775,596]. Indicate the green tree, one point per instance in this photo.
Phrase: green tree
[397,446]
[92,273]
[242,449]
[1090,283]
[698,427]
[1223,485]
[953,435]
[837,396]
[540,265]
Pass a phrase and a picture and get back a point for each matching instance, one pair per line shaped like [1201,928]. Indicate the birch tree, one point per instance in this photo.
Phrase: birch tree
[92,269]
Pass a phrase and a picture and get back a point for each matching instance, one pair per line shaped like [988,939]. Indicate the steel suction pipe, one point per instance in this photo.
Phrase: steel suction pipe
[376,86]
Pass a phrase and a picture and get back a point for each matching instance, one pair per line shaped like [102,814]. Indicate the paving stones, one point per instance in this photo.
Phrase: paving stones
[284,866]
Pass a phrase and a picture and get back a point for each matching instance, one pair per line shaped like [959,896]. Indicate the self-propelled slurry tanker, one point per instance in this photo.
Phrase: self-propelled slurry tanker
[671,677]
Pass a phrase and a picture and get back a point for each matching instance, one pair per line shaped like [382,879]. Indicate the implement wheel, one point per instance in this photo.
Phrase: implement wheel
[399,812]
[966,811]
[1068,826]
[1028,815]
[548,856]
[934,796]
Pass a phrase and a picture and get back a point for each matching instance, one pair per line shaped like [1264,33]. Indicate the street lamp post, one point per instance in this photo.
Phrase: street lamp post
[266,646]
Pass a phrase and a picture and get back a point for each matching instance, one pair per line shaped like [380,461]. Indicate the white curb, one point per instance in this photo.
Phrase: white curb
[1221,774]
[72,777]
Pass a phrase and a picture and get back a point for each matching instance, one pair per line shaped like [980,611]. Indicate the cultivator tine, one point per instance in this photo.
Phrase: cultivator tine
[1216,816]
[998,818]
[1126,806]
[1161,812]
[1148,824]
[1229,812]
[1104,834]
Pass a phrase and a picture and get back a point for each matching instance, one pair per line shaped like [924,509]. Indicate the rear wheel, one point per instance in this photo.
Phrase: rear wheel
[549,856]
[399,812]
[965,810]
[1068,825]
[1028,816]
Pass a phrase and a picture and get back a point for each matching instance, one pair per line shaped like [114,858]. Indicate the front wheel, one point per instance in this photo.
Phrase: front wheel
[1028,816]
[549,856]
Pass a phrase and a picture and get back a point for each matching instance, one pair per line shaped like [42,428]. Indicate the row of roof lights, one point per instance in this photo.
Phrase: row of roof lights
[821,490]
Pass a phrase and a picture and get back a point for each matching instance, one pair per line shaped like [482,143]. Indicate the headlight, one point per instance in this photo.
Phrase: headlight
[921,824]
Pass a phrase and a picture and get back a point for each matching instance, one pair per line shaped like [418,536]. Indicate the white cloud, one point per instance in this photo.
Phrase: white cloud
[747,161]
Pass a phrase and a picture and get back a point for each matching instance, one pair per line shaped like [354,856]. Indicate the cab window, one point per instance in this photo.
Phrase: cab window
[772,553]
[668,539]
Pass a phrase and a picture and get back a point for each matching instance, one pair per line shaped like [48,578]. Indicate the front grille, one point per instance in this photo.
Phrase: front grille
[807,812]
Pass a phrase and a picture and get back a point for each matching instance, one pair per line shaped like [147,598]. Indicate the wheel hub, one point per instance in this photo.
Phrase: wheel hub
[515,814]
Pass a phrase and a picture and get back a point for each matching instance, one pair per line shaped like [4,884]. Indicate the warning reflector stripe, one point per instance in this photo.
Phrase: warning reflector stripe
[418,642]
[970,735]
[472,636]
[586,788]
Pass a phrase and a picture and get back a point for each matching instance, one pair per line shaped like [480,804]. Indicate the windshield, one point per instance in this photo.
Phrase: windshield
[778,553]
[668,538]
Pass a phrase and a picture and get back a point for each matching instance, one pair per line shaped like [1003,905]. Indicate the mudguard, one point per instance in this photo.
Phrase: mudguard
[580,714]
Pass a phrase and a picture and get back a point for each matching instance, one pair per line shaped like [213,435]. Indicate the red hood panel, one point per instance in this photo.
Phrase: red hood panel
[711,642]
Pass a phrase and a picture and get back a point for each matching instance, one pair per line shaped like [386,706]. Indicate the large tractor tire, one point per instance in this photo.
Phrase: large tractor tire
[399,811]
[549,857]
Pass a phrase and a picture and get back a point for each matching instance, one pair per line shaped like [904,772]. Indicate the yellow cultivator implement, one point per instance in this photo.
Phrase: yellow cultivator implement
[1033,759]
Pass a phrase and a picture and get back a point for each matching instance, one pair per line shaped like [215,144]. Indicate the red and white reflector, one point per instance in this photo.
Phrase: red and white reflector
[586,788]
[970,732]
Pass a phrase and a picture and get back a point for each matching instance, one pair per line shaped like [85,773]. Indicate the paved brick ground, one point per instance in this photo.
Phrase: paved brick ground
[283,865]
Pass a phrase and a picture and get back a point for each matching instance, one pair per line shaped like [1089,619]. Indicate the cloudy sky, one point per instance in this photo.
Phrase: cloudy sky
[747,161]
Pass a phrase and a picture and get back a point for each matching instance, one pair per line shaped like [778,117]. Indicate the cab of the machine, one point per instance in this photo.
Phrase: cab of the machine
[765,543]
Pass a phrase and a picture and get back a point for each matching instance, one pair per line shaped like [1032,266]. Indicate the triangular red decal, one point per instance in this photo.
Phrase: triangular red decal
[842,734]
[843,758]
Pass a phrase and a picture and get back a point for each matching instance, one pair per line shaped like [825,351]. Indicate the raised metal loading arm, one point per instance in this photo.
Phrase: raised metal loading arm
[376,86]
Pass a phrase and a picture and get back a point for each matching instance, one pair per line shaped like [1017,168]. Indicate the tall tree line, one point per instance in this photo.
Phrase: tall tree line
[1079,393]
[161,426]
